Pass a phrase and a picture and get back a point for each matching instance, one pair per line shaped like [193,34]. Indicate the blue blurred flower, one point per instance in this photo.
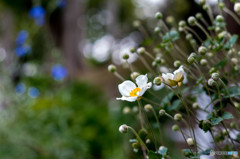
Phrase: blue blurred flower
[59,72]
[38,14]
[22,37]
[20,88]
[33,92]
[22,50]
[61,3]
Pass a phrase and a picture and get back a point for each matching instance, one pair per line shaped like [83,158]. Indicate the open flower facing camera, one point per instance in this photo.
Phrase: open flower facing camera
[174,79]
[130,92]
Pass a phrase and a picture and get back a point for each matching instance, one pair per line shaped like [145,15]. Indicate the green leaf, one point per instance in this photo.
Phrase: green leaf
[172,35]
[163,151]
[205,126]
[153,155]
[234,91]
[231,42]
[167,98]
[205,152]
[216,120]
[175,105]
[227,115]
[187,152]
[221,64]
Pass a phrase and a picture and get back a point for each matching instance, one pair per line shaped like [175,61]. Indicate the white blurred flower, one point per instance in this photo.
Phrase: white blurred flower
[130,92]
[175,78]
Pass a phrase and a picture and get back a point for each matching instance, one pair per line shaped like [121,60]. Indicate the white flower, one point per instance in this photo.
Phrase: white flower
[175,78]
[237,8]
[130,92]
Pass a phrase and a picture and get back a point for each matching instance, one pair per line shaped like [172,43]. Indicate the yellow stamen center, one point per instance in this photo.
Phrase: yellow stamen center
[135,92]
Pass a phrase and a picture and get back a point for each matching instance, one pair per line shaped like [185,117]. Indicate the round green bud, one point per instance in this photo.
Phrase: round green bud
[221,5]
[112,68]
[136,145]
[203,62]
[158,60]
[133,50]
[193,42]
[219,18]
[170,19]
[199,16]
[202,50]
[237,105]
[211,82]
[158,15]
[178,117]
[181,29]
[215,76]
[162,112]
[234,60]
[237,8]
[135,109]
[136,23]
[126,110]
[195,105]
[125,56]
[175,128]
[233,125]
[189,36]
[142,133]
[141,50]
[191,59]
[210,54]
[212,70]
[163,61]
[202,2]
[148,107]
[238,53]
[157,81]
[148,141]
[218,30]
[192,20]
[205,7]
[154,64]
[236,68]
[193,54]
[182,24]
[190,142]
[222,34]
[157,30]
[134,75]
[177,63]
[123,128]
[224,132]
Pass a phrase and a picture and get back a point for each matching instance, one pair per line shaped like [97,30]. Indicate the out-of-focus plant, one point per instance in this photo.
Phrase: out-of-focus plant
[205,82]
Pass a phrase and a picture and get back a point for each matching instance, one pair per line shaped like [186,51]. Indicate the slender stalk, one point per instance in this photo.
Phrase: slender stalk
[191,30]
[119,76]
[159,126]
[228,11]
[152,102]
[205,32]
[228,134]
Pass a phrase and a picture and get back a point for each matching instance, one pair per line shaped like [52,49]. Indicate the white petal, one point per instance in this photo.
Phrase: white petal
[167,76]
[145,88]
[130,99]
[180,69]
[142,80]
[126,87]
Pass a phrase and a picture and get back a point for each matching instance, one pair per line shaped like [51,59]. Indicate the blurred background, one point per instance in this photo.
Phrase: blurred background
[57,98]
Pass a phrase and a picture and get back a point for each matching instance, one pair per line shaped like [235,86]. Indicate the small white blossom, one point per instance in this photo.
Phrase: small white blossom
[130,92]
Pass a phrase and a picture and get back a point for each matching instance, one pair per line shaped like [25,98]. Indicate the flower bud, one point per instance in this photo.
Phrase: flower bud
[158,60]
[234,61]
[215,76]
[219,18]
[237,8]
[134,75]
[202,50]
[190,141]
[123,128]
[182,23]
[141,50]
[237,105]
[189,36]
[193,42]
[157,81]
[177,63]
[175,128]
[158,15]
[126,110]
[157,30]
[181,29]
[221,5]
[135,109]
[195,105]
[203,62]
[162,112]
[136,23]
[170,19]
[192,20]
[224,132]
[205,7]
[211,82]
[154,64]
[133,50]
[125,56]
[236,68]
[136,145]
[148,141]
[191,59]
[112,68]
[212,70]
[178,117]
[148,107]
[218,30]
[210,54]
[222,34]
[193,54]
[202,2]
[199,16]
